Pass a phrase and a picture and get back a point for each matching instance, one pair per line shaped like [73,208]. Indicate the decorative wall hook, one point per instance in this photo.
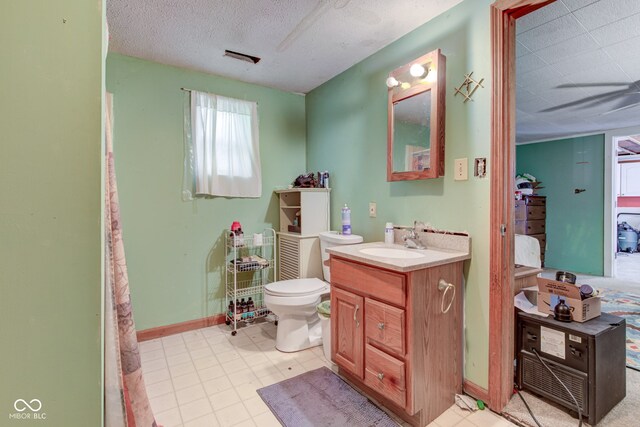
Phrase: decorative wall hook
[468,87]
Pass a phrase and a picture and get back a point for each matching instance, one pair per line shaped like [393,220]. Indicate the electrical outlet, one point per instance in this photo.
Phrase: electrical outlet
[373,210]
[460,169]
[480,168]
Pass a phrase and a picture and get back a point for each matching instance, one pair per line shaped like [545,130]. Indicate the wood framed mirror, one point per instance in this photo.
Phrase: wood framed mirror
[416,119]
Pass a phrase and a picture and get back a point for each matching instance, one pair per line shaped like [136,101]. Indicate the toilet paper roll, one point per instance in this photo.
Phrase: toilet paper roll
[257,239]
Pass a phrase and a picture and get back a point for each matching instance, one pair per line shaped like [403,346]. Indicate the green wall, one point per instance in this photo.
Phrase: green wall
[347,131]
[174,248]
[50,215]
[575,222]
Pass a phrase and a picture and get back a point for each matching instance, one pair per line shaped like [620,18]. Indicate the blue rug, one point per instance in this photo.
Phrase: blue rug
[626,305]
[321,398]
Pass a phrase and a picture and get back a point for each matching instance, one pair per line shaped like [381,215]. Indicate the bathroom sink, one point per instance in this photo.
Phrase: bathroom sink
[391,253]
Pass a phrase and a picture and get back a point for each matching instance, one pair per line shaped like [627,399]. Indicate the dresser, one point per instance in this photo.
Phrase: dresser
[531,216]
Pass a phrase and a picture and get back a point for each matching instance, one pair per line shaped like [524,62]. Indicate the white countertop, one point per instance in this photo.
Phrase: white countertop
[432,256]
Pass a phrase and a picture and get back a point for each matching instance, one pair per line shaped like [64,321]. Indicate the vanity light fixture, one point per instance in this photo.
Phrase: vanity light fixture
[392,82]
[431,77]
[417,70]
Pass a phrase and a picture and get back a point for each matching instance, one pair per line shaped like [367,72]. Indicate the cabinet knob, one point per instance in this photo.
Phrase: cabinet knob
[381,326]
[381,376]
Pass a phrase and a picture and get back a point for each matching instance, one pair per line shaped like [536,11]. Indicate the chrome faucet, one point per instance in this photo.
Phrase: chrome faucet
[412,240]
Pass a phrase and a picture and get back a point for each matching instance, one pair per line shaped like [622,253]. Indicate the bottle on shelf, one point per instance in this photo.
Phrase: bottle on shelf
[237,236]
[231,309]
[243,309]
[251,308]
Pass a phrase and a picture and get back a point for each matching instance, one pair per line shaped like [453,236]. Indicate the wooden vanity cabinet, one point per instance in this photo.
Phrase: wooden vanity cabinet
[391,340]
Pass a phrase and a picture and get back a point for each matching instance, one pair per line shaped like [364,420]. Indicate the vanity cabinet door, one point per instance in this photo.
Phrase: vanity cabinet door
[347,336]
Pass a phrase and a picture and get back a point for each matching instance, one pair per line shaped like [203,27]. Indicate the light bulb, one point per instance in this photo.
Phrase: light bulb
[392,82]
[416,70]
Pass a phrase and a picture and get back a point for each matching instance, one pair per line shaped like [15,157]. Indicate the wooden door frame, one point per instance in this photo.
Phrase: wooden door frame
[501,265]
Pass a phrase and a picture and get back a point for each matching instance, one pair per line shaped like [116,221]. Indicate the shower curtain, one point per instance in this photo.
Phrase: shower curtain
[126,401]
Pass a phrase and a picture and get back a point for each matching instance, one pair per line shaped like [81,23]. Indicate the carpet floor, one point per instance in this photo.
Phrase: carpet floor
[321,398]
[626,305]
[624,414]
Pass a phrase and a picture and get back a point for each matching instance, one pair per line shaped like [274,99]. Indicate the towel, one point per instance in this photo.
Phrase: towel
[527,251]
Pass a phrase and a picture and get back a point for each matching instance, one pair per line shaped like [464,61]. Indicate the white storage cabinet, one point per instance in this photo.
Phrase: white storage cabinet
[630,179]
[298,246]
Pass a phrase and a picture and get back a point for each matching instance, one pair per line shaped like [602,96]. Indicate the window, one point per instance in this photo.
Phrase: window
[224,146]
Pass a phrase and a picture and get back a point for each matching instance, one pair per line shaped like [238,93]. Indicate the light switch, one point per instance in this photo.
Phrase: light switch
[460,168]
[373,209]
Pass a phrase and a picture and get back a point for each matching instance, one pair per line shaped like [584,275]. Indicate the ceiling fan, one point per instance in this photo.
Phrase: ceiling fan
[629,97]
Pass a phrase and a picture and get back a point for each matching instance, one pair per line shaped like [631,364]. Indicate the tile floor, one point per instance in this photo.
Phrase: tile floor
[208,378]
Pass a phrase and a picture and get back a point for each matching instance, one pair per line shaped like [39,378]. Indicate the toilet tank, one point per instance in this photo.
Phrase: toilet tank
[332,238]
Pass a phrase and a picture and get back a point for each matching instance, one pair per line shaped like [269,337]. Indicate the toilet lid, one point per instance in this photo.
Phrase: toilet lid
[297,287]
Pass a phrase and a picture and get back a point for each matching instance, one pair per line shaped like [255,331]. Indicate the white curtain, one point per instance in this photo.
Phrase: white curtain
[225,146]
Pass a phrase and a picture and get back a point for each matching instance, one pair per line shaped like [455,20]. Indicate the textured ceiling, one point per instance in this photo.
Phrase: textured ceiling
[302,43]
[578,68]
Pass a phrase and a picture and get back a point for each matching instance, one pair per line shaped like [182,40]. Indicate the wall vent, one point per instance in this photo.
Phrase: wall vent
[242,56]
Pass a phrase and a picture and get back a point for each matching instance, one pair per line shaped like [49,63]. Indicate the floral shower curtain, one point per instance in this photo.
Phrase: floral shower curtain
[126,401]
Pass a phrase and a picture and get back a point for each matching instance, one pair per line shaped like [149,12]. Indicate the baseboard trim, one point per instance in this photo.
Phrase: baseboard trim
[476,391]
[189,325]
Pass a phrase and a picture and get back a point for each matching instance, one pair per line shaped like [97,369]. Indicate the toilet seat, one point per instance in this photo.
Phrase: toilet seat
[297,287]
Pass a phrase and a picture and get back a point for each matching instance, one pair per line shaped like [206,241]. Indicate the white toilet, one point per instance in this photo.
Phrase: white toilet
[294,301]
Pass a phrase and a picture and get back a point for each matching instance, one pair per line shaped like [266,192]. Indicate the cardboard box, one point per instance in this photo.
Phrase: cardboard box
[551,291]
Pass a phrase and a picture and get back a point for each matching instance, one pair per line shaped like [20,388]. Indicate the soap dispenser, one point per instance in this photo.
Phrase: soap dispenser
[346,220]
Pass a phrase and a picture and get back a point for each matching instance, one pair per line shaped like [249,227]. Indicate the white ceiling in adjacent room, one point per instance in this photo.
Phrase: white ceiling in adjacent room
[629,146]
[578,68]
[302,43]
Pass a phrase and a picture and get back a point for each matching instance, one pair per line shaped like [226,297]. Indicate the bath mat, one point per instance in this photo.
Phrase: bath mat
[321,398]
[626,305]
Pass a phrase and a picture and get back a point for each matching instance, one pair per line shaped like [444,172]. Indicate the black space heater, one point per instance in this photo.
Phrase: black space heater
[588,357]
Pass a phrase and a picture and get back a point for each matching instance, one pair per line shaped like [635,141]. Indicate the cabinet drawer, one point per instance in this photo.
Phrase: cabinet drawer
[385,326]
[386,375]
[542,238]
[536,226]
[524,211]
[533,200]
[383,285]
